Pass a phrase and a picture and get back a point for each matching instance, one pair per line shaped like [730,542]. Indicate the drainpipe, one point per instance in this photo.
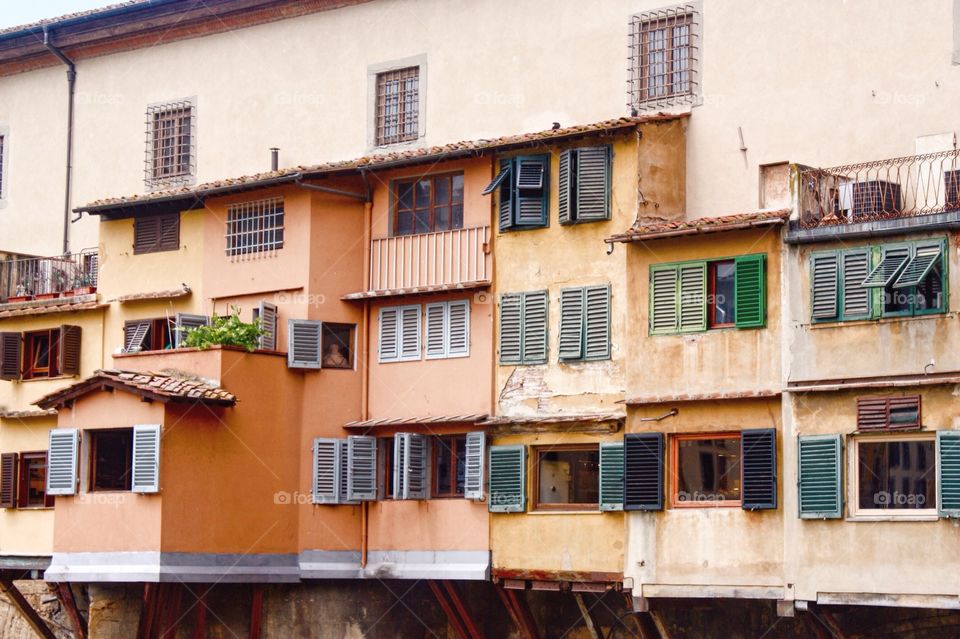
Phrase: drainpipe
[71,92]
[365,378]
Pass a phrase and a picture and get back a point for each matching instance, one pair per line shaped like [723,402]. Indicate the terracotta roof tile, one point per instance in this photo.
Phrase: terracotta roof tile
[27,414]
[89,13]
[154,295]
[416,421]
[651,228]
[163,386]
[43,307]
[501,420]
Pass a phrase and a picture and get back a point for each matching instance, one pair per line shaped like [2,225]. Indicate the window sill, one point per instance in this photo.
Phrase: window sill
[879,518]
[572,511]
[47,379]
[29,508]
[881,320]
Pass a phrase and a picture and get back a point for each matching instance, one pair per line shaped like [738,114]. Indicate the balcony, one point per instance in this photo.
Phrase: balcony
[28,278]
[446,260]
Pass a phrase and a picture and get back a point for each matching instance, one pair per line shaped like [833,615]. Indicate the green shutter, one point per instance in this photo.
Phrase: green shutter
[692,297]
[663,299]
[820,476]
[531,189]
[511,319]
[534,335]
[563,187]
[508,479]
[593,184]
[824,274]
[893,260]
[503,183]
[750,291]
[611,475]
[925,255]
[571,323]
[597,323]
[855,265]
[948,473]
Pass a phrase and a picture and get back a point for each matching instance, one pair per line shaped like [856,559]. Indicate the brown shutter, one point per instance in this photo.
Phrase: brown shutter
[10,344]
[888,413]
[69,350]
[8,480]
[156,233]
[169,227]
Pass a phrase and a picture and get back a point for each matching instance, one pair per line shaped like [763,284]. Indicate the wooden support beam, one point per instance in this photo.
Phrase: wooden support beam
[817,628]
[592,626]
[448,610]
[519,602]
[200,624]
[68,601]
[661,626]
[827,619]
[31,616]
[148,611]
[256,611]
[468,623]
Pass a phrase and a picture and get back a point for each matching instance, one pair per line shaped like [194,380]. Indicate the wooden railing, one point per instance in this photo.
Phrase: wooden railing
[459,256]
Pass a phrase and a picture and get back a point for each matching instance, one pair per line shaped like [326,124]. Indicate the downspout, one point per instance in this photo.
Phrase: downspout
[365,377]
[71,92]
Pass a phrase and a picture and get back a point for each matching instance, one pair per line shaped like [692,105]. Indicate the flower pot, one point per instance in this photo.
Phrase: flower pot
[83,290]
[19,298]
[47,296]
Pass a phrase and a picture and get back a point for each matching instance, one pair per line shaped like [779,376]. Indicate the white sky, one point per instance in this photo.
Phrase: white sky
[17,12]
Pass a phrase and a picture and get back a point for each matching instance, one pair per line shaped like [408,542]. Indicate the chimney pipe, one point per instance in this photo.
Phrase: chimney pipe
[274,158]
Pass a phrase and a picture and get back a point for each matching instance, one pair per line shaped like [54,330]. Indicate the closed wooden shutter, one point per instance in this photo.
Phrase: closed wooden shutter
[303,343]
[389,343]
[184,323]
[643,471]
[571,323]
[135,335]
[8,480]
[70,338]
[361,468]
[750,291]
[458,328]
[146,458]
[593,184]
[597,323]
[508,479]
[511,324]
[611,475]
[267,314]
[326,470]
[474,465]
[692,297]
[855,265]
[948,473]
[410,333]
[535,336]
[169,232]
[10,357]
[820,473]
[663,299]
[411,457]
[436,338]
[758,463]
[888,413]
[156,233]
[824,275]
[564,188]
[62,461]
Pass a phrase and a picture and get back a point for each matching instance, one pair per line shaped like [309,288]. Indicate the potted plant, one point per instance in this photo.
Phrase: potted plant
[83,284]
[22,295]
[225,330]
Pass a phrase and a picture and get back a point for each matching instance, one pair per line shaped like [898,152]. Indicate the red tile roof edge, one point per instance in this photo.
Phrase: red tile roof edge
[657,228]
[163,387]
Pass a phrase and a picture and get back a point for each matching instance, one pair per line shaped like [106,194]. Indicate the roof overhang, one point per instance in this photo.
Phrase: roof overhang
[599,423]
[878,383]
[148,386]
[652,400]
[702,226]
[399,422]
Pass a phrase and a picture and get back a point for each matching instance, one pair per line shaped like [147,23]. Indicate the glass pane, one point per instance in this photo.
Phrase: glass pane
[422,221]
[708,470]
[36,476]
[929,293]
[405,196]
[461,463]
[569,477]
[444,474]
[423,194]
[457,188]
[442,221]
[897,475]
[337,345]
[404,223]
[722,293]
[457,221]
[897,300]
[112,451]
[442,184]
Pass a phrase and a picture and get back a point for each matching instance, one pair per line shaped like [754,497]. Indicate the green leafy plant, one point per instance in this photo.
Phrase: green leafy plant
[226,330]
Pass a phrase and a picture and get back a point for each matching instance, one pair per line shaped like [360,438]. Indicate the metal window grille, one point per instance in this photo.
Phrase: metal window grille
[255,227]
[171,144]
[664,57]
[398,105]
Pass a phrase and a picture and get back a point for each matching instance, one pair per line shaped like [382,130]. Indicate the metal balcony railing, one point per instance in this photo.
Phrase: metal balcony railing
[32,277]
[881,189]
[459,256]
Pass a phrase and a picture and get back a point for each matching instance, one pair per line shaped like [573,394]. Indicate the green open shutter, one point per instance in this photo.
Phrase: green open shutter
[535,340]
[948,473]
[692,297]
[508,479]
[511,319]
[894,259]
[824,274]
[925,256]
[593,184]
[571,323]
[750,291]
[564,190]
[597,323]
[503,184]
[663,299]
[855,265]
[820,476]
[611,475]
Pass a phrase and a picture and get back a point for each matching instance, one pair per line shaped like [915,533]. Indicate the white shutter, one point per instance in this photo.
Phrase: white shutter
[184,322]
[303,343]
[146,458]
[389,346]
[410,332]
[399,449]
[458,331]
[361,467]
[436,330]
[62,461]
[326,470]
[474,464]
[343,492]
[267,313]
[134,336]
[411,463]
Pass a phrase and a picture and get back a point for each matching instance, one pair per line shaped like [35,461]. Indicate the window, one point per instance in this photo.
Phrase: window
[448,329]
[171,143]
[399,333]
[684,296]
[33,481]
[584,189]
[337,345]
[664,56]
[895,475]
[428,204]
[42,350]
[155,233]
[706,470]
[523,187]
[398,106]
[567,478]
[585,323]
[888,413]
[523,328]
[255,227]
[111,459]
[148,335]
[449,465]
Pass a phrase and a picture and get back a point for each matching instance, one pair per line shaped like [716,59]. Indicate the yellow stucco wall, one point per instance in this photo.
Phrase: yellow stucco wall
[25,531]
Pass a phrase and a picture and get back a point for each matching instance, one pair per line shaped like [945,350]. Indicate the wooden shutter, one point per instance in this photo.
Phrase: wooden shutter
[8,480]
[62,461]
[504,174]
[535,332]
[146,458]
[564,190]
[643,471]
[750,291]
[511,326]
[70,349]
[458,340]
[597,323]
[758,463]
[508,479]
[925,256]
[361,468]
[135,334]
[820,473]
[571,323]
[663,299]
[692,282]
[326,470]
[10,346]
[824,275]
[436,338]
[389,345]
[169,229]
[892,261]
[948,473]
[412,458]
[855,265]
[146,234]
[888,413]
[303,343]
[593,184]
[267,314]
[611,475]
[410,332]
[343,488]
[473,465]
[183,323]
[503,184]
[531,189]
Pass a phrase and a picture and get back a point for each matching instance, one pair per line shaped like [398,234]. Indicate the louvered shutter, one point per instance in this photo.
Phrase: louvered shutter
[820,472]
[532,186]
[458,328]
[184,323]
[326,470]
[62,461]
[504,174]
[267,314]
[888,413]
[343,492]
[474,464]
[168,227]
[146,458]
[925,257]
[611,475]
[361,468]
[389,346]
[948,473]
[303,343]
[146,234]
[10,345]
[824,275]
[503,184]
[436,337]
[758,455]
[855,266]
[70,350]
[8,480]
[643,471]
[508,479]
[893,259]
[511,321]
[597,323]
[692,297]
[134,335]
[750,291]
[535,338]
[663,300]
[593,184]
[410,333]
[411,465]
[571,323]
[564,190]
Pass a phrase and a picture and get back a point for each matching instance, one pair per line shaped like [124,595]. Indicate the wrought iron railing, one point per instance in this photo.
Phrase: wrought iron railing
[25,278]
[881,189]
[459,256]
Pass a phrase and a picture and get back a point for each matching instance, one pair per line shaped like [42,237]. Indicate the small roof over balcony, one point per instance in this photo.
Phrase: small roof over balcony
[160,387]
[645,229]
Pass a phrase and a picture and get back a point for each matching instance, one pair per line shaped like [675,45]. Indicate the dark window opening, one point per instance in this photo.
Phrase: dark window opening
[337,345]
[707,470]
[567,478]
[111,459]
[720,303]
[33,481]
[897,475]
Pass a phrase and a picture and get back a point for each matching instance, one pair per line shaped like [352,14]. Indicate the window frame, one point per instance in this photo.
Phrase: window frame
[439,445]
[94,435]
[185,160]
[242,223]
[534,459]
[23,478]
[853,485]
[4,165]
[395,209]
[712,295]
[641,27]
[28,370]
[352,346]
[404,102]
[508,188]
[675,440]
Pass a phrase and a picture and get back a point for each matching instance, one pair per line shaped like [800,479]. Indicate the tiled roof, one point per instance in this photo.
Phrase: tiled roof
[417,290]
[163,387]
[384,160]
[89,13]
[596,418]
[27,414]
[183,291]
[416,421]
[43,307]
[652,228]
[700,397]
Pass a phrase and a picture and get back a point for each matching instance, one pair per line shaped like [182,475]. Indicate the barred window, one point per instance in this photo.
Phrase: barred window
[398,105]
[664,56]
[255,227]
[3,150]
[171,143]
